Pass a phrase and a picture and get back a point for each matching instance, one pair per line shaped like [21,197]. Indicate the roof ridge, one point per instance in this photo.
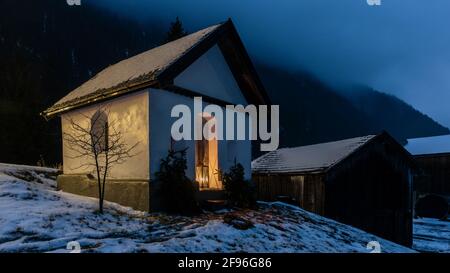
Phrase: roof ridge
[195,44]
[354,146]
[328,142]
[320,156]
[151,49]
[111,77]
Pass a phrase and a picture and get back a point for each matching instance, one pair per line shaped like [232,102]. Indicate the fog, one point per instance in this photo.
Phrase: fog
[401,47]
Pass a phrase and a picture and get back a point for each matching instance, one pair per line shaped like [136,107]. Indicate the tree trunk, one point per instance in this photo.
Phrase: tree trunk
[100,196]
[100,205]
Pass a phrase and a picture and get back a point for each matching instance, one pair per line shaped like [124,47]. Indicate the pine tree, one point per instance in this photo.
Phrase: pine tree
[176,31]
[240,192]
[176,190]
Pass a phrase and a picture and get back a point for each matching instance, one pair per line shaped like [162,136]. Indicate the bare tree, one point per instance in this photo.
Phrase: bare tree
[96,140]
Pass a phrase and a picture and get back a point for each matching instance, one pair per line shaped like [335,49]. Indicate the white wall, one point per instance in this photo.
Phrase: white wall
[161,104]
[149,111]
[131,115]
[210,75]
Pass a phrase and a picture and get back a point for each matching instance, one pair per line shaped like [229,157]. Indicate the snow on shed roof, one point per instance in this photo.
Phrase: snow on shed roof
[143,67]
[310,158]
[429,145]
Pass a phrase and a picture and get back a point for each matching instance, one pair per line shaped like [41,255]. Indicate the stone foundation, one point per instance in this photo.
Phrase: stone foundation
[131,193]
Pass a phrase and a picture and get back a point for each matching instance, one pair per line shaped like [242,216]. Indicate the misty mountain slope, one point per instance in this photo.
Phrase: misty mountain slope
[50,49]
[394,115]
[75,42]
[311,112]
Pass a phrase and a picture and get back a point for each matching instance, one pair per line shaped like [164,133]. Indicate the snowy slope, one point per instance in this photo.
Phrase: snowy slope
[39,175]
[36,218]
[432,235]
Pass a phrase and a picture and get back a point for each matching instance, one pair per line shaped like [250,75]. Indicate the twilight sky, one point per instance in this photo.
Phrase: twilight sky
[401,47]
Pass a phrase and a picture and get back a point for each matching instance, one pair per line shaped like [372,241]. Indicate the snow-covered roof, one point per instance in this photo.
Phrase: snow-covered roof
[310,158]
[429,145]
[136,70]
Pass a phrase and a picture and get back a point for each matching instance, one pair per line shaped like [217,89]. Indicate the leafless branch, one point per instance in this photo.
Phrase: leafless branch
[96,141]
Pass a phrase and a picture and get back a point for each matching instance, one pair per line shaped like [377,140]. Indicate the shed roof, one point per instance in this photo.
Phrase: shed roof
[311,158]
[155,67]
[429,145]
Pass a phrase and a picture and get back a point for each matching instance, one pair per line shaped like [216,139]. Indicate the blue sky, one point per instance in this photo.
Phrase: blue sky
[401,47]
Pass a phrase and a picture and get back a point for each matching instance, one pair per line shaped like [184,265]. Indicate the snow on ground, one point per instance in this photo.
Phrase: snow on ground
[432,235]
[40,175]
[36,218]
[278,228]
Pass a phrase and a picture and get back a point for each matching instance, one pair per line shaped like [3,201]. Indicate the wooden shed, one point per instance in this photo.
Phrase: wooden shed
[434,176]
[432,157]
[364,182]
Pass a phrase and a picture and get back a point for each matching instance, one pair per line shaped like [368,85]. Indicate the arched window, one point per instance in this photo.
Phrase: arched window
[99,131]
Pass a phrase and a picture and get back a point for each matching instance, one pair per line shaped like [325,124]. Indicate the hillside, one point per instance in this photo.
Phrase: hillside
[310,111]
[48,50]
[394,115]
[34,217]
[52,48]
[313,112]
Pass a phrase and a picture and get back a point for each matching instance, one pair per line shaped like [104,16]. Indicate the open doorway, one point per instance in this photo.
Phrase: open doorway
[207,158]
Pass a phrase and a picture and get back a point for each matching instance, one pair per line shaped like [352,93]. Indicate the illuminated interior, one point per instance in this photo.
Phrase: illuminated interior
[207,160]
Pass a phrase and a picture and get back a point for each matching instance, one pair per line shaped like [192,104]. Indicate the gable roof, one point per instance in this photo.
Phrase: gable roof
[311,158]
[158,67]
[429,145]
